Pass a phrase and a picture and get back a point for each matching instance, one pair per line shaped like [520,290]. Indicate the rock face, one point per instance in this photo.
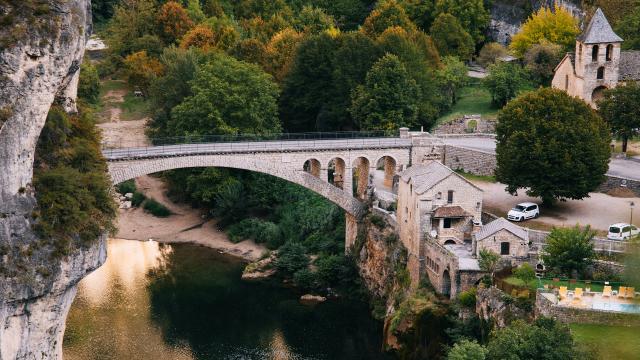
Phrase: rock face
[40,55]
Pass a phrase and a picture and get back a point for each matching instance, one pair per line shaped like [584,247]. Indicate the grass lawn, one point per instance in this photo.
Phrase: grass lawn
[472,99]
[133,108]
[611,342]
[633,147]
[473,177]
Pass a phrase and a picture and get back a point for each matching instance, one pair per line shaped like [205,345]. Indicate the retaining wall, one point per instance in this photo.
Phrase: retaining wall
[470,161]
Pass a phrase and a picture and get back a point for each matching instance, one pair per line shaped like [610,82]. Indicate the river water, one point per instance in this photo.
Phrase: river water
[155,301]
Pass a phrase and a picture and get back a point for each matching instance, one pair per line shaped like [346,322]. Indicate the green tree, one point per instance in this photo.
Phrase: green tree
[544,339]
[387,13]
[555,26]
[569,250]
[503,82]
[313,20]
[89,83]
[631,272]
[488,261]
[467,350]
[195,12]
[421,12]
[291,258]
[388,99]
[450,38]
[452,77]
[628,28]
[173,21]
[552,144]
[491,53]
[620,107]
[541,61]
[229,96]
[525,273]
[132,20]
[472,14]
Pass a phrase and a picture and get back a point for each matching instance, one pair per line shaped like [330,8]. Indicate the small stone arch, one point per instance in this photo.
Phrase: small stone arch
[389,164]
[450,242]
[446,283]
[313,167]
[361,166]
[336,173]
[595,52]
[598,93]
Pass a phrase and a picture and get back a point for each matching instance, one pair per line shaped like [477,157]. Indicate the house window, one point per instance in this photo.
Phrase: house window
[594,53]
[566,82]
[439,196]
[601,73]
[447,224]
[450,197]
[478,205]
[580,54]
[504,248]
[609,52]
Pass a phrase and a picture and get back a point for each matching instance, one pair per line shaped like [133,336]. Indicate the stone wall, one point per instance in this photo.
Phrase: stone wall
[614,182]
[546,305]
[539,238]
[470,161]
[465,125]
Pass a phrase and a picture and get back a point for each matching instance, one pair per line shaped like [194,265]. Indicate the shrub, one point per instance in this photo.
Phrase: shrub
[291,258]
[467,350]
[468,298]
[377,220]
[305,278]
[525,273]
[137,199]
[155,208]
[126,187]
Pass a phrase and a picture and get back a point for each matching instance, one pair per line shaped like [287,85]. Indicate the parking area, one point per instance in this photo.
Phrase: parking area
[599,210]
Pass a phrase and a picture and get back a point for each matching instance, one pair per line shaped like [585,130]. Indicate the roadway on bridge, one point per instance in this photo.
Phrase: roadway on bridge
[617,167]
[257,146]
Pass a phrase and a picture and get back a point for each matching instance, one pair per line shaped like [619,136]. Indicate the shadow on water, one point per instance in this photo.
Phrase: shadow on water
[197,297]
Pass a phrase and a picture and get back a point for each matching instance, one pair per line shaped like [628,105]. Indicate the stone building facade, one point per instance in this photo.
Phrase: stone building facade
[502,237]
[597,63]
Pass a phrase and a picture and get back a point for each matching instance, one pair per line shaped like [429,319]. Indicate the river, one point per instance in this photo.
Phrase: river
[156,301]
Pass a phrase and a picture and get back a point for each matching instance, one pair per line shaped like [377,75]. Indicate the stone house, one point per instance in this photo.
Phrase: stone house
[597,63]
[503,237]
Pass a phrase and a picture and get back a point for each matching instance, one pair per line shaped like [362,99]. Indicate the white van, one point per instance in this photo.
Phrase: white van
[524,211]
[622,231]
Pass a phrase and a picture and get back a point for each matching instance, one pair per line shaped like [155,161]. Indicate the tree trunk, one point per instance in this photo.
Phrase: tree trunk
[625,141]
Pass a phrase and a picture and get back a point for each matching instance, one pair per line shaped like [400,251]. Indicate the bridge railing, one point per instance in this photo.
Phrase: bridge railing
[241,138]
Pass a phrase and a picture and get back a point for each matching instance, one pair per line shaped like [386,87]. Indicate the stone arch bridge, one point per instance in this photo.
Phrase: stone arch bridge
[326,166]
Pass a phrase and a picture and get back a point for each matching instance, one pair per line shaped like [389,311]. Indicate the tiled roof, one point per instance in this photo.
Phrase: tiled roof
[599,31]
[427,176]
[450,212]
[630,65]
[501,224]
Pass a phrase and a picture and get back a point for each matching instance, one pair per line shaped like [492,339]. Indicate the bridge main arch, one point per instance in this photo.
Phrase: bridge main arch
[130,169]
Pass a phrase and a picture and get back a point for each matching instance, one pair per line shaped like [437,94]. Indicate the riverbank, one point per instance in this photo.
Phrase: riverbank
[185,225]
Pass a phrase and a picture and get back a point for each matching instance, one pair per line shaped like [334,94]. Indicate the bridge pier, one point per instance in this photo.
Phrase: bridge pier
[351,232]
[347,185]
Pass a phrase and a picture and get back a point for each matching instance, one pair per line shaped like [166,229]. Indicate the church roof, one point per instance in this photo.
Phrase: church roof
[630,65]
[599,31]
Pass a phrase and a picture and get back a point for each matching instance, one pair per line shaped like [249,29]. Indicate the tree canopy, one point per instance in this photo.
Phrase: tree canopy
[450,38]
[504,82]
[555,26]
[620,107]
[569,250]
[551,144]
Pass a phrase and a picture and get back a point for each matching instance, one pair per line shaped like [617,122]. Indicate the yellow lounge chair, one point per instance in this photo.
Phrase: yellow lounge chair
[622,291]
[578,294]
[606,292]
[631,293]
[562,292]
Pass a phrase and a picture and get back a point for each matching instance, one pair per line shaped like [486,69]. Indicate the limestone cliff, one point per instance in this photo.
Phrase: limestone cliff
[41,47]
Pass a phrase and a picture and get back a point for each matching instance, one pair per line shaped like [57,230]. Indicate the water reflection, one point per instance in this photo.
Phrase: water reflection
[152,301]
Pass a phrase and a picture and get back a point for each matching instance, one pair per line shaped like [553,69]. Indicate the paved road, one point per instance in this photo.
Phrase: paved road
[617,167]
[244,147]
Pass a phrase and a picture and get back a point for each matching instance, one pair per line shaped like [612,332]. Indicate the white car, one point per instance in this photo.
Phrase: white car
[622,231]
[524,211]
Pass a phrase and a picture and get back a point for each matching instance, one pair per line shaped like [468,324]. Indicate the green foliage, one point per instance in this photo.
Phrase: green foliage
[488,261]
[228,96]
[468,298]
[544,339]
[620,107]
[541,61]
[388,13]
[552,144]
[155,208]
[378,221]
[257,230]
[504,81]
[137,199]
[89,83]
[556,26]
[525,273]
[389,98]
[491,53]
[291,258]
[628,28]
[451,38]
[472,14]
[75,206]
[569,250]
[631,273]
[305,279]
[467,350]
[452,77]
[126,187]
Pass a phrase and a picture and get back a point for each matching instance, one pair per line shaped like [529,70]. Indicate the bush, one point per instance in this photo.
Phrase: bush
[305,279]
[126,187]
[377,220]
[291,258]
[257,230]
[468,298]
[155,208]
[525,273]
[467,350]
[89,84]
[137,199]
